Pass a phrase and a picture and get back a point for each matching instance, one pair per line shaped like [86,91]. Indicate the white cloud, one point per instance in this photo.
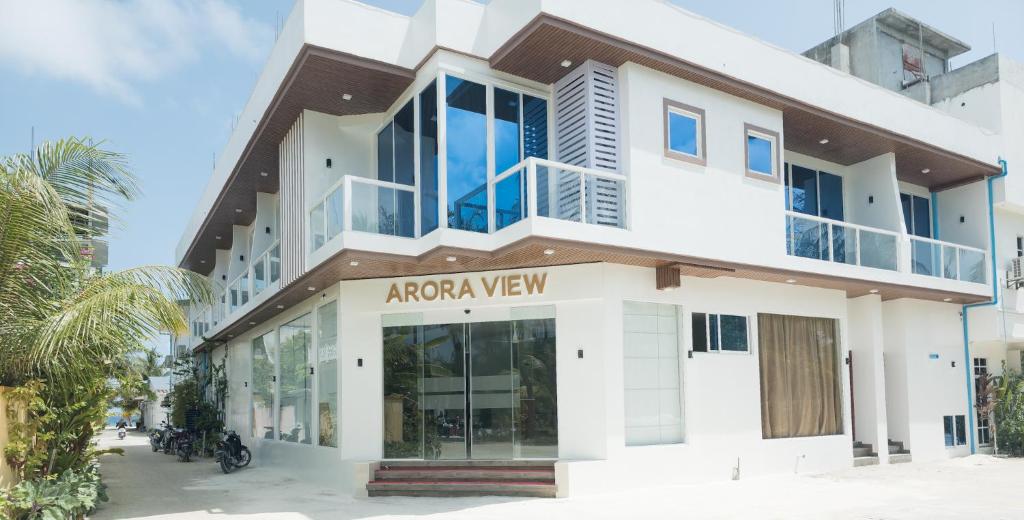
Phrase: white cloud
[113,45]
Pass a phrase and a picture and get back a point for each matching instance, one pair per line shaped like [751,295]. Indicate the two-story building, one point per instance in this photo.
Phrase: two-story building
[543,247]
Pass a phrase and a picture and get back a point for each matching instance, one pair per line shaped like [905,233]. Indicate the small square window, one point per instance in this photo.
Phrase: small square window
[719,333]
[684,132]
[762,153]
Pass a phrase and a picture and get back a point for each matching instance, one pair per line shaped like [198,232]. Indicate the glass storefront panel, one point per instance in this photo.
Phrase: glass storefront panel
[507,387]
[536,402]
[295,412]
[327,373]
[264,354]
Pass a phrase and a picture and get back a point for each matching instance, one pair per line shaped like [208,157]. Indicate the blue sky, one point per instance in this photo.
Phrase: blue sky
[162,80]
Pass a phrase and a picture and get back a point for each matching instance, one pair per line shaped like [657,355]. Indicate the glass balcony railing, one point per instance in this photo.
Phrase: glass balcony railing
[543,188]
[841,242]
[945,260]
[534,187]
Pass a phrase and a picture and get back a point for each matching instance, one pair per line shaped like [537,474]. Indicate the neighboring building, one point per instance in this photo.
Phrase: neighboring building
[632,241]
[153,411]
[989,93]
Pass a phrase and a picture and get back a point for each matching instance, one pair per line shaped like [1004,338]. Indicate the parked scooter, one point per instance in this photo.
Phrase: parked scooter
[121,432]
[183,446]
[231,453]
[156,437]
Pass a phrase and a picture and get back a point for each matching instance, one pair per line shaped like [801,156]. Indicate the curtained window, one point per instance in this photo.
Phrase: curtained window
[800,382]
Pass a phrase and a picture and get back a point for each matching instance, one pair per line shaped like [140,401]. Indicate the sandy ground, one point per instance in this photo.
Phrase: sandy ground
[151,485]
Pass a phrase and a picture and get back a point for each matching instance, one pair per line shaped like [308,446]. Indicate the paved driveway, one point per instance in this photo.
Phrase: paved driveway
[151,485]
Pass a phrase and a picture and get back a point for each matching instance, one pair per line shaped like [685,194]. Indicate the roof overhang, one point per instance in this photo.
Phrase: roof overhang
[317,80]
[537,51]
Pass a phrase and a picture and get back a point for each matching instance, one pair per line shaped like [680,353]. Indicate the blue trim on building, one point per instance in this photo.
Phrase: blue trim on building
[968,368]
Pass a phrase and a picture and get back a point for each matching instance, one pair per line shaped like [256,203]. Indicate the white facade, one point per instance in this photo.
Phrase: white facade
[306,350]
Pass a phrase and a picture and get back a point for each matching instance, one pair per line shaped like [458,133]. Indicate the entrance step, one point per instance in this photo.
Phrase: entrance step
[899,458]
[871,460]
[897,453]
[862,450]
[463,478]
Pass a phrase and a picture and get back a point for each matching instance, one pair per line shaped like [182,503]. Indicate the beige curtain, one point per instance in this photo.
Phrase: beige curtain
[800,383]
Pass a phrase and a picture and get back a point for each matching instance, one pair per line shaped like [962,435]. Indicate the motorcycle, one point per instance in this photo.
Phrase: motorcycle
[231,453]
[171,440]
[121,432]
[183,446]
[156,437]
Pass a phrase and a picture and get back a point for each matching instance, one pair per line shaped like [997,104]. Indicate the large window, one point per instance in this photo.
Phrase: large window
[295,410]
[512,143]
[684,132]
[814,192]
[327,372]
[718,332]
[982,386]
[466,125]
[264,356]
[428,159]
[801,391]
[762,153]
[395,148]
[954,429]
[917,215]
[653,407]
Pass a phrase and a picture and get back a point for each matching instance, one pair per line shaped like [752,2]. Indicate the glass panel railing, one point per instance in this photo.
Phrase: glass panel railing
[841,242]
[972,265]
[378,208]
[563,192]
[931,257]
[334,212]
[510,199]
[878,249]
[275,263]
[259,275]
[317,227]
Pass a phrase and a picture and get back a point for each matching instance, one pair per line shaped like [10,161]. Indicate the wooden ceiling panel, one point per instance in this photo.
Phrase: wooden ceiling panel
[529,253]
[538,50]
[317,81]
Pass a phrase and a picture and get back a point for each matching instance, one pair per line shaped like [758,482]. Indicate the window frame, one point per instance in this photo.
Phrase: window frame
[957,440]
[772,137]
[1020,246]
[787,172]
[707,333]
[670,107]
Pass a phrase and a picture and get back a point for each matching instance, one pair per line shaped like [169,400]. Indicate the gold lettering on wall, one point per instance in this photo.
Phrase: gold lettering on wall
[516,284]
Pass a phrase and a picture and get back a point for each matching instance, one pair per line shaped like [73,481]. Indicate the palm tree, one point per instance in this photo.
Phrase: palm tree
[60,319]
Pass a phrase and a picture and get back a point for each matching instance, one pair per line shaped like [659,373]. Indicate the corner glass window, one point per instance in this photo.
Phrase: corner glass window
[294,413]
[684,132]
[428,160]
[718,333]
[762,152]
[264,356]
[466,124]
[327,373]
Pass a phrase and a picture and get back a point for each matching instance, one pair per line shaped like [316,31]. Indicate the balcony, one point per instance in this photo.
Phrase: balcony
[533,188]
[845,243]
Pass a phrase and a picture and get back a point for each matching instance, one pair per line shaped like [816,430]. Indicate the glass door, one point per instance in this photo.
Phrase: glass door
[483,390]
[490,390]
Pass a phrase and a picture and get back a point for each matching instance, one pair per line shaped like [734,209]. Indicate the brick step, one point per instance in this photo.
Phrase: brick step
[460,488]
[390,464]
[525,473]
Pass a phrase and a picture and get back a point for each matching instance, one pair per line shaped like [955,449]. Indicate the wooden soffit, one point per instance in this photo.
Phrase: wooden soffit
[530,252]
[537,51]
[317,80]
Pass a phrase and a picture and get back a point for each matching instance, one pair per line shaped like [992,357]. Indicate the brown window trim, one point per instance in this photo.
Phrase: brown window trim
[702,158]
[776,177]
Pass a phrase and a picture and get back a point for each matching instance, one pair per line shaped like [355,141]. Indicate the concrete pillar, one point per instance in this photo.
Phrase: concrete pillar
[868,373]
[840,57]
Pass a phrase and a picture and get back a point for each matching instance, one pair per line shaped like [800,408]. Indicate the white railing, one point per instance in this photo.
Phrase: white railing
[543,188]
[361,204]
[841,242]
[809,236]
[266,269]
[932,257]
[532,188]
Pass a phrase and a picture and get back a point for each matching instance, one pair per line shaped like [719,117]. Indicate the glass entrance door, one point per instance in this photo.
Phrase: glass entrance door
[481,390]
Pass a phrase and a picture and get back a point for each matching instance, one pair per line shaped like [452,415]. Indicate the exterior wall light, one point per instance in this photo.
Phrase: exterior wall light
[328,162]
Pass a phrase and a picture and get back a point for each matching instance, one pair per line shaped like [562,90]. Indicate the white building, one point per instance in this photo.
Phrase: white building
[617,244]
